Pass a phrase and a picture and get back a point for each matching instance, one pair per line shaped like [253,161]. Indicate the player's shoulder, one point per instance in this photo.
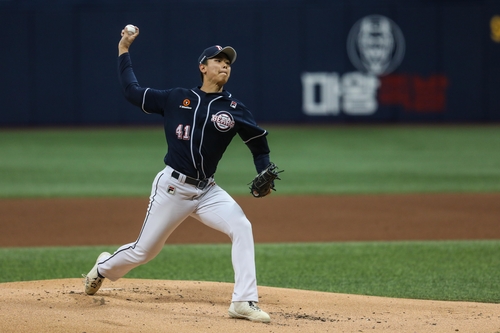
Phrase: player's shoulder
[181,90]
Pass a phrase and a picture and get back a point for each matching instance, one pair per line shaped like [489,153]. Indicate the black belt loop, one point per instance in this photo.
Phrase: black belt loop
[201,184]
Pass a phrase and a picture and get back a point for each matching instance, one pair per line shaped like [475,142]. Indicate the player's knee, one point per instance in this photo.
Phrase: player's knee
[243,227]
[142,256]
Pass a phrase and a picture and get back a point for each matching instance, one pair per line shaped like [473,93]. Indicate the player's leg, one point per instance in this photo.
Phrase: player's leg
[168,207]
[218,210]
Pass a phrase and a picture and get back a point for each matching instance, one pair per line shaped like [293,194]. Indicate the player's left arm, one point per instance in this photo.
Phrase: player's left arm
[253,136]
[267,172]
[260,152]
[256,140]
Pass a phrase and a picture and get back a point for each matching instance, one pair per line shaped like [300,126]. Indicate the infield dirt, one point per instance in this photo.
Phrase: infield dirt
[132,305]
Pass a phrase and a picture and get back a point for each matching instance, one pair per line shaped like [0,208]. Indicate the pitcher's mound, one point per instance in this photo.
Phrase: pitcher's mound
[134,305]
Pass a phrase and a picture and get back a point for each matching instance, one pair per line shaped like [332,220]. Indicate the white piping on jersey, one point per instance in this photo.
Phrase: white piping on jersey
[144,101]
[203,135]
[192,132]
[255,137]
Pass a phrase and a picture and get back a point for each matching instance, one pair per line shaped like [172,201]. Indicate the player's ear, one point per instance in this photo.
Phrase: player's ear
[203,70]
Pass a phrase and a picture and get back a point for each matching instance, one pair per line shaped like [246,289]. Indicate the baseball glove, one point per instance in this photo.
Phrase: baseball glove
[263,183]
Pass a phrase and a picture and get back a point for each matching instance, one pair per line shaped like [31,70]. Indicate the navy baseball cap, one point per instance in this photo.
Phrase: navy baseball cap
[213,51]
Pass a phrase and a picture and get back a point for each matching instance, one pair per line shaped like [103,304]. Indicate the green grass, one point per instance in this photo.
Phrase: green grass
[43,163]
[451,270]
[390,159]
[316,160]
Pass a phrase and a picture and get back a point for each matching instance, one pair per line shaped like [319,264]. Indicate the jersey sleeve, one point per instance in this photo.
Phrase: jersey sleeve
[260,152]
[149,100]
[256,140]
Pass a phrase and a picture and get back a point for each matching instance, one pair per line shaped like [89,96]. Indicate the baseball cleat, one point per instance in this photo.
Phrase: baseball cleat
[248,310]
[92,280]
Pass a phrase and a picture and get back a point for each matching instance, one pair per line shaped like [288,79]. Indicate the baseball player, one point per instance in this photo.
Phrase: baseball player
[199,124]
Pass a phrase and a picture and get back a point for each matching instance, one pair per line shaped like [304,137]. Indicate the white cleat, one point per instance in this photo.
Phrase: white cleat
[92,280]
[248,310]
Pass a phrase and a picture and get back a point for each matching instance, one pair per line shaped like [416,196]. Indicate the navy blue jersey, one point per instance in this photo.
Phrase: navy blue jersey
[198,126]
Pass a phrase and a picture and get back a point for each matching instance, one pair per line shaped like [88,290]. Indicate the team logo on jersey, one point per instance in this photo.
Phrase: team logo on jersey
[186,104]
[223,121]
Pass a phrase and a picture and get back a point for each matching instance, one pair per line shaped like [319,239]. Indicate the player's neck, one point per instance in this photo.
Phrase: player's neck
[211,88]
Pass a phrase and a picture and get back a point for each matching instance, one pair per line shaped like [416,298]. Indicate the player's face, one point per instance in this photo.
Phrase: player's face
[218,69]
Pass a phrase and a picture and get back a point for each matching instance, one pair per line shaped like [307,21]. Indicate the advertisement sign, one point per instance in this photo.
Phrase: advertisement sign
[375,47]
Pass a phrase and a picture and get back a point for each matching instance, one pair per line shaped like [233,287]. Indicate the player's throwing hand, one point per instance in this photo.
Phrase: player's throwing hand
[127,39]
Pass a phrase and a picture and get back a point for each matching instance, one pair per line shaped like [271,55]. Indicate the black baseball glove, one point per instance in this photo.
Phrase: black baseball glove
[263,183]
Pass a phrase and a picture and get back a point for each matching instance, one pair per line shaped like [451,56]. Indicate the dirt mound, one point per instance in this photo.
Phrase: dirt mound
[131,305]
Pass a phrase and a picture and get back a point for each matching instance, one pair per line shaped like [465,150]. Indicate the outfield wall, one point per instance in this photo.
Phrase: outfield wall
[332,61]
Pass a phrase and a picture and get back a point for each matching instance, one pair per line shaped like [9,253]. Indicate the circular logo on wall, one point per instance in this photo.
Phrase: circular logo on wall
[376,45]
[223,121]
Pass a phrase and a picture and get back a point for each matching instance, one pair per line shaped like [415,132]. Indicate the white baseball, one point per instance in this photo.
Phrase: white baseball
[130,29]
